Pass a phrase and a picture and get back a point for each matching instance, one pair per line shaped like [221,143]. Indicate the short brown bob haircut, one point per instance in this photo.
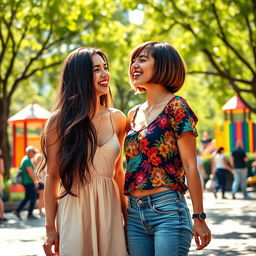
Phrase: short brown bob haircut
[169,67]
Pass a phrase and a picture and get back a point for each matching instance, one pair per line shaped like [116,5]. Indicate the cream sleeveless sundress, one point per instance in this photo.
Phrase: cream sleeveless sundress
[91,224]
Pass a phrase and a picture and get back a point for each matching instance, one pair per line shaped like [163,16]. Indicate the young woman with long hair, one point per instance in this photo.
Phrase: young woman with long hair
[82,147]
[160,151]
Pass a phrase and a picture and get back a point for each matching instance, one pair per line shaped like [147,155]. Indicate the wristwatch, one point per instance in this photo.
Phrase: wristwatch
[201,216]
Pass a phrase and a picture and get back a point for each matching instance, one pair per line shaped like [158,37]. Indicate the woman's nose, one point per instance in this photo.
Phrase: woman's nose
[105,73]
[135,64]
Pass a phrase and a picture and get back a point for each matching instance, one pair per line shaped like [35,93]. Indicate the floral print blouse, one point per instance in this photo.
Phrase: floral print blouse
[152,154]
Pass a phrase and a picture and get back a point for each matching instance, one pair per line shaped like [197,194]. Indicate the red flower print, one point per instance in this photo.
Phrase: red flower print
[176,187]
[152,151]
[143,145]
[163,122]
[132,186]
[171,169]
[179,114]
[140,177]
[152,156]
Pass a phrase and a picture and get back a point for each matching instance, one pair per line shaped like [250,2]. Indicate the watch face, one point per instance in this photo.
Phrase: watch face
[202,216]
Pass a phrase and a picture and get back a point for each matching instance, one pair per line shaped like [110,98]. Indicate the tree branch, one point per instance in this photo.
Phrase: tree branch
[238,91]
[254,11]
[17,81]
[252,42]
[224,39]
[39,53]
[217,74]
[15,51]
[8,26]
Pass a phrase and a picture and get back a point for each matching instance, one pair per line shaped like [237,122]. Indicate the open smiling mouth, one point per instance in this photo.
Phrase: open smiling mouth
[136,75]
[103,83]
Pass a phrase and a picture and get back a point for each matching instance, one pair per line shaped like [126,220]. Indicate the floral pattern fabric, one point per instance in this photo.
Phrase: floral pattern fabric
[152,154]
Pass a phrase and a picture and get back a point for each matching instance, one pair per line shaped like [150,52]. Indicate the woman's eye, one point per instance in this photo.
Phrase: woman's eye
[96,70]
[142,60]
[106,68]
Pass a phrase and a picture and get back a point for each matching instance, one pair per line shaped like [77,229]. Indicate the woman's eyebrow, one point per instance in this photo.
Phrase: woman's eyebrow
[143,55]
[105,64]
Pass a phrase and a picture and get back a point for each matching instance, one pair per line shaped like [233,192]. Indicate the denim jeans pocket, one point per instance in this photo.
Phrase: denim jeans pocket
[166,206]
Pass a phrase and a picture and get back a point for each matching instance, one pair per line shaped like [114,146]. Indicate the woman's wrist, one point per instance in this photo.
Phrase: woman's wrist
[50,228]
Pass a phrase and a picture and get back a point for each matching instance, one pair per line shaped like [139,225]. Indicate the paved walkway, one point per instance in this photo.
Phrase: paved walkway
[232,222]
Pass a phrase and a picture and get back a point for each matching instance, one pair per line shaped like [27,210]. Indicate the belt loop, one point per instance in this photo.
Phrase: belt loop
[179,195]
[149,200]
[129,202]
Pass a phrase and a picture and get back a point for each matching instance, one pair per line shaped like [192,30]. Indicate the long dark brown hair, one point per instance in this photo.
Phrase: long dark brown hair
[73,112]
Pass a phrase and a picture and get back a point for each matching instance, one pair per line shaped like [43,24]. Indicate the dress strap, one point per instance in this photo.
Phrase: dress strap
[134,116]
[111,119]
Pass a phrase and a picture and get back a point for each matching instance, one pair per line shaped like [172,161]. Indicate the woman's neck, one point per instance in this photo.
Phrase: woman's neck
[99,107]
[157,94]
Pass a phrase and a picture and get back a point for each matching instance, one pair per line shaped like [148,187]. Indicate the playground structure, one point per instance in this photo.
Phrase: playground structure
[238,126]
[26,126]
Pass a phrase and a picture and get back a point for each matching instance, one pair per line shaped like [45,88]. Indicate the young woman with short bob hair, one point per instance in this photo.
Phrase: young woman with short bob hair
[82,144]
[160,152]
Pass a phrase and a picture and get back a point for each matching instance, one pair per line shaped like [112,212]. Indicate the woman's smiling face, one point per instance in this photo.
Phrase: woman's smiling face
[142,69]
[101,75]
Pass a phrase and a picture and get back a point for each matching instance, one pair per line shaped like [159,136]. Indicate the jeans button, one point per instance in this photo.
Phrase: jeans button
[139,201]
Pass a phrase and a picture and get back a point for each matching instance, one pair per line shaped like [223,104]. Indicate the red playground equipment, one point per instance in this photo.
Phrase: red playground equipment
[26,126]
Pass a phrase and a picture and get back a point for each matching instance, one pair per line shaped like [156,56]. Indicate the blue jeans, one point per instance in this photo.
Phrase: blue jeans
[159,225]
[30,195]
[221,178]
[240,176]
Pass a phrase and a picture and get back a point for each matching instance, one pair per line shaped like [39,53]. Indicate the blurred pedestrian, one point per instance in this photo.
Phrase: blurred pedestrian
[238,162]
[2,217]
[40,190]
[219,171]
[206,139]
[254,168]
[200,168]
[29,183]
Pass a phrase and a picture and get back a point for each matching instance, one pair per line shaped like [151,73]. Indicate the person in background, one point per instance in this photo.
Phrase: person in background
[205,140]
[200,168]
[160,151]
[238,161]
[82,148]
[29,182]
[40,190]
[254,168]
[2,217]
[219,172]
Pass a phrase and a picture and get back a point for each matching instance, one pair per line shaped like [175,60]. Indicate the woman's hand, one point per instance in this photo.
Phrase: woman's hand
[52,239]
[202,234]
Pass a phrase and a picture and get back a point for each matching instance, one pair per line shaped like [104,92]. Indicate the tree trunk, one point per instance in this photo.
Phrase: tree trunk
[4,142]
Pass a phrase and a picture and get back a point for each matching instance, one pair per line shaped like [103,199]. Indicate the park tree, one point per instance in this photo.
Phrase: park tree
[217,38]
[36,35]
